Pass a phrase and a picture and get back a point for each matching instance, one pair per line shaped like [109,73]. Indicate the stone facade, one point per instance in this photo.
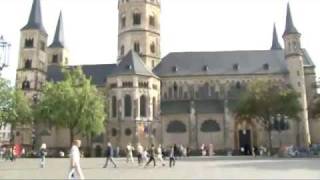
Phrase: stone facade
[186,98]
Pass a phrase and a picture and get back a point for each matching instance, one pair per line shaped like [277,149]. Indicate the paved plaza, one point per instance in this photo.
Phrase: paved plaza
[191,168]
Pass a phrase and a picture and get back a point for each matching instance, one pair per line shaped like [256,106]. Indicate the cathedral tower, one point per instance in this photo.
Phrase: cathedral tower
[294,59]
[139,30]
[32,63]
[58,54]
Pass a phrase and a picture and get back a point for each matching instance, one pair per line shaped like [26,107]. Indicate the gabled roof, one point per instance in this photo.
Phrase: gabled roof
[98,73]
[35,18]
[132,64]
[58,41]
[275,42]
[222,63]
[290,28]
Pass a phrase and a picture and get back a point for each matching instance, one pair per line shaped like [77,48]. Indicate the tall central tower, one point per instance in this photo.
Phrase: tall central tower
[139,30]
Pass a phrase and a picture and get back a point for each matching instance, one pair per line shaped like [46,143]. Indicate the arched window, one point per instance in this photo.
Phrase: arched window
[175,90]
[136,18]
[152,20]
[136,47]
[238,85]
[210,126]
[170,92]
[127,106]
[154,107]
[206,89]
[28,64]
[123,21]
[153,47]
[180,92]
[25,85]
[176,127]
[122,50]
[28,43]
[114,106]
[143,106]
[55,58]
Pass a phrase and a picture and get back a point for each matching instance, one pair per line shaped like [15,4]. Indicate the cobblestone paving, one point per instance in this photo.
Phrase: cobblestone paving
[191,168]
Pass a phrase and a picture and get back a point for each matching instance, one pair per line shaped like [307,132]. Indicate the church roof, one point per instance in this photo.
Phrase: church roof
[35,18]
[275,42]
[290,28]
[225,63]
[132,64]
[58,41]
[98,73]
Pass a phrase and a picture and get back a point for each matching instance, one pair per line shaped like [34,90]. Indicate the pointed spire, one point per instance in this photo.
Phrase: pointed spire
[275,42]
[290,28]
[58,41]
[35,18]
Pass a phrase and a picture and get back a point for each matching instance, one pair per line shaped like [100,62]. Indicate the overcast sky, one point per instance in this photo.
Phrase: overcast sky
[186,25]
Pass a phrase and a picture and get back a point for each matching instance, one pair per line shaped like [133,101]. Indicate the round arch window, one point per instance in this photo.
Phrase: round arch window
[128,132]
[176,127]
[210,126]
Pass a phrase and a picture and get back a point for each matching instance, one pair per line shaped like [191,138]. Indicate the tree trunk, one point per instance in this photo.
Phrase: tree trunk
[71,136]
[298,134]
[270,141]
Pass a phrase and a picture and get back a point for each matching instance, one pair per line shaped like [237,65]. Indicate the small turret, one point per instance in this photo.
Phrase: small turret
[275,42]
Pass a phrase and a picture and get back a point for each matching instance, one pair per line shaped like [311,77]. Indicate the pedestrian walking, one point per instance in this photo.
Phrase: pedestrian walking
[43,153]
[160,155]
[139,153]
[129,153]
[152,154]
[172,158]
[75,171]
[145,155]
[109,156]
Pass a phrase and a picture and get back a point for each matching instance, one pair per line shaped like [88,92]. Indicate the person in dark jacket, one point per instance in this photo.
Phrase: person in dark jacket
[109,156]
[152,154]
[172,158]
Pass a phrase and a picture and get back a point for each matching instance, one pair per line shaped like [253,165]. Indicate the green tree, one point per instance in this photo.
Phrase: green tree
[264,100]
[14,107]
[74,104]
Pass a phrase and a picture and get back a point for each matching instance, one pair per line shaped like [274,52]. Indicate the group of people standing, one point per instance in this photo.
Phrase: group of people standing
[143,155]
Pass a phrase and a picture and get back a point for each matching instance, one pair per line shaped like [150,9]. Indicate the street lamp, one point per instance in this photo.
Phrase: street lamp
[4,53]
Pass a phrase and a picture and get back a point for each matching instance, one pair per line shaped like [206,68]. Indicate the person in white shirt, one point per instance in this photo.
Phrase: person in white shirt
[140,153]
[43,153]
[75,171]
[159,155]
[129,153]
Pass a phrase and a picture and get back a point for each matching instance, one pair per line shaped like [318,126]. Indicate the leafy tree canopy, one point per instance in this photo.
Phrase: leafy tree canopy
[74,104]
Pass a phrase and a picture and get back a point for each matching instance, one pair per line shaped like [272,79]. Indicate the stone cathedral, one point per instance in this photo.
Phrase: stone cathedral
[181,98]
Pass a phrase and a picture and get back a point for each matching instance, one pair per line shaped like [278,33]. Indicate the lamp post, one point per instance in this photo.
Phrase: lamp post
[4,53]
